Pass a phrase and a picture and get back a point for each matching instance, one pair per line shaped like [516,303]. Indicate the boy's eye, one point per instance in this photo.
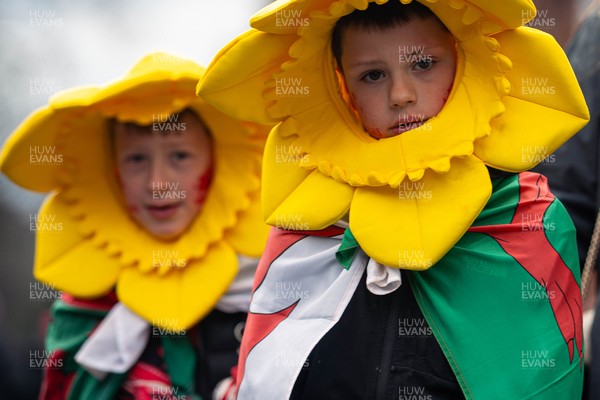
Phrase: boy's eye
[180,155]
[423,65]
[135,158]
[372,76]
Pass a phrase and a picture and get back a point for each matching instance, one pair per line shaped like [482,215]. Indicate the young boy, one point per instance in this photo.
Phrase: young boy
[155,193]
[405,264]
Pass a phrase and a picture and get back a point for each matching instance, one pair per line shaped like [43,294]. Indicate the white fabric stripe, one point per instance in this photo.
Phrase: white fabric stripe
[307,271]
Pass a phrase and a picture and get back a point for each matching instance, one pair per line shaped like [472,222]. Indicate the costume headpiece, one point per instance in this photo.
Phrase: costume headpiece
[514,100]
[64,148]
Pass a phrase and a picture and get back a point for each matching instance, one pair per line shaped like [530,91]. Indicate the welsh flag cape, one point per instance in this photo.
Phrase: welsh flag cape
[504,303]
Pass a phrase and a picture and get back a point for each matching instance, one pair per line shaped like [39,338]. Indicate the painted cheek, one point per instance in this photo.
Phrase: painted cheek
[353,104]
[447,94]
[203,185]
[133,209]
[352,99]
[376,133]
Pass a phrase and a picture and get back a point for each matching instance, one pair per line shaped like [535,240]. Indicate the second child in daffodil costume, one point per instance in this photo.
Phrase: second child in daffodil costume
[413,257]
[156,196]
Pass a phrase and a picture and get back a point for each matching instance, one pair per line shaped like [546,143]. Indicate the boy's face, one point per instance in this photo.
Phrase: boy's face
[398,77]
[164,176]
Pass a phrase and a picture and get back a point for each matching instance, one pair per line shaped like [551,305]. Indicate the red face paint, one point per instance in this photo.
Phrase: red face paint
[203,185]
[447,94]
[117,176]
[376,133]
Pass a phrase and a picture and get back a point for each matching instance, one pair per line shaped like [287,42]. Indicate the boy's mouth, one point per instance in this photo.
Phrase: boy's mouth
[407,124]
[163,211]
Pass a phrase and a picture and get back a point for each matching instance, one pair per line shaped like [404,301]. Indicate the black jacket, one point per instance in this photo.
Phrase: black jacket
[382,348]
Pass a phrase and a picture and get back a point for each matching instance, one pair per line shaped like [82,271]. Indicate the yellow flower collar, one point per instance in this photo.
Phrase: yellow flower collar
[410,197]
[92,244]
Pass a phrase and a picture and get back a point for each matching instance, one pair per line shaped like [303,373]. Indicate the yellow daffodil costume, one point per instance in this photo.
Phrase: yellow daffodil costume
[99,246]
[500,113]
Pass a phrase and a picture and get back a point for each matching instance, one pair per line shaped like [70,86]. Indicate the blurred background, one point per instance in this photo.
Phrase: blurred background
[50,45]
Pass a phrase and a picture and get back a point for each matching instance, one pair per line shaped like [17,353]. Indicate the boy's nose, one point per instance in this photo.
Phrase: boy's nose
[157,175]
[402,93]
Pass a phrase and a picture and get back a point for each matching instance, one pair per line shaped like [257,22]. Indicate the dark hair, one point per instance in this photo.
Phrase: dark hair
[379,17]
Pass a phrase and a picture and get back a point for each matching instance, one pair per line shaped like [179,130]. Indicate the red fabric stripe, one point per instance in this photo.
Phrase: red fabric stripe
[56,382]
[257,328]
[104,303]
[146,382]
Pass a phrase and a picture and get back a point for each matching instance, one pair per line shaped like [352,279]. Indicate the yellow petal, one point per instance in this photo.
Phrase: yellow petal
[250,233]
[32,151]
[305,209]
[282,173]
[413,226]
[510,14]
[527,138]
[544,107]
[291,193]
[182,297]
[235,79]
[283,17]
[67,261]
[74,97]
[550,81]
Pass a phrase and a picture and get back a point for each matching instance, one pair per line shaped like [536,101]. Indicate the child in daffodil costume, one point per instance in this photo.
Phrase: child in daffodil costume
[156,196]
[413,257]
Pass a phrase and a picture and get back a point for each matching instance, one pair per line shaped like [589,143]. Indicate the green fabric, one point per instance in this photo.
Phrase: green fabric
[69,329]
[500,208]
[347,250]
[71,326]
[180,358]
[85,386]
[492,319]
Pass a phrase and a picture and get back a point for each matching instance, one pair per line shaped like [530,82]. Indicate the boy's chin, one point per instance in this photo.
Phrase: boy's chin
[167,236]
[163,233]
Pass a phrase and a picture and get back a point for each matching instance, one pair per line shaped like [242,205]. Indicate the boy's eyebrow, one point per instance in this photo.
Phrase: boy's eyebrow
[365,63]
[415,50]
